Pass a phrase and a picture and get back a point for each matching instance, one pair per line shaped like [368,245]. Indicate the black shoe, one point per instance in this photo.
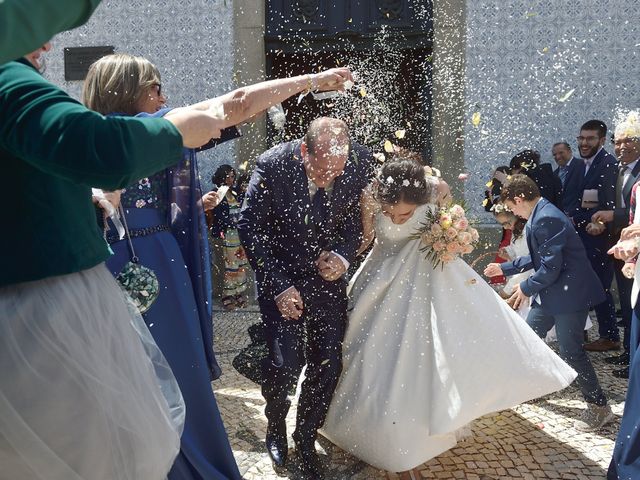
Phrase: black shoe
[622,373]
[622,359]
[310,463]
[277,448]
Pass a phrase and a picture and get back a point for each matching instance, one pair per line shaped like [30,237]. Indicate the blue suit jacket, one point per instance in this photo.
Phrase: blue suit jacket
[571,192]
[602,176]
[563,276]
[275,224]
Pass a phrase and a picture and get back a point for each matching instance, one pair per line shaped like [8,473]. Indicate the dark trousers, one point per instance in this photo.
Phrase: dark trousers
[317,338]
[625,464]
[569,330]
[602,264]
[624,291]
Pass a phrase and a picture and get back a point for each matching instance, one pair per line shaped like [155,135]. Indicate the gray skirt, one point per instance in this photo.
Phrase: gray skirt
[84,391]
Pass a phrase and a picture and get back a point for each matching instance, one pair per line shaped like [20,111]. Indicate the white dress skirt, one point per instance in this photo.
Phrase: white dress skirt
[427,351]
[84,392]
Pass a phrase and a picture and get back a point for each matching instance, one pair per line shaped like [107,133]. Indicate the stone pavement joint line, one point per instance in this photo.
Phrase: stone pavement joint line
[535,440]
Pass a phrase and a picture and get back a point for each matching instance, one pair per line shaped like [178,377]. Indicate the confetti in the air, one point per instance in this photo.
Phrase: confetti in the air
[388,146]
[379,157]
[567,95]
[476,118]
[400,134]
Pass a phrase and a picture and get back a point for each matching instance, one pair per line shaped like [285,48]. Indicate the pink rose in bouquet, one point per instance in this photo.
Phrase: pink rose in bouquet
[457,211]
[465,238]
[461,224]
[450,233]
[439,246]
[453,247]
[447,257]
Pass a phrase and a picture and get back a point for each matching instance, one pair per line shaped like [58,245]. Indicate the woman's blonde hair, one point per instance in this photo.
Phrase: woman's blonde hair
[115,83]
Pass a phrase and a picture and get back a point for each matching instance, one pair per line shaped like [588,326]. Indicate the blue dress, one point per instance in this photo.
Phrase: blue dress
[166,222]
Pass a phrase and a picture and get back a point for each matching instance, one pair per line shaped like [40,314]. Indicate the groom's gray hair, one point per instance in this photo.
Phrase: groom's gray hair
[322,125]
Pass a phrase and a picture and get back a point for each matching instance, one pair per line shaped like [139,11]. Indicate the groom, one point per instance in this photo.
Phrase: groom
[301,228]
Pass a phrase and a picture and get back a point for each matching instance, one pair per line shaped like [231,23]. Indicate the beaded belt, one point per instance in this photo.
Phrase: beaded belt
[138,232]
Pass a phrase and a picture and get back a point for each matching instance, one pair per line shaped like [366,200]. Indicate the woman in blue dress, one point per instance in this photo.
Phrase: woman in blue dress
[165,219]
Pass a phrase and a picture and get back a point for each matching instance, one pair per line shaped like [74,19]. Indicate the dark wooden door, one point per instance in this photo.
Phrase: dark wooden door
[387,42]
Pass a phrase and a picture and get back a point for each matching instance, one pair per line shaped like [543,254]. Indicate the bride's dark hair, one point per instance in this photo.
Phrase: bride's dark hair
[402,179]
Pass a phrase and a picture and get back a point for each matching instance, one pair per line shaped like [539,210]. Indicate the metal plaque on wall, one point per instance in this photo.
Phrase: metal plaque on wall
[77,60]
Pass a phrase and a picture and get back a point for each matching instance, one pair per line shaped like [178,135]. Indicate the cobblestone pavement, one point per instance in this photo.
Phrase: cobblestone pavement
[531,441]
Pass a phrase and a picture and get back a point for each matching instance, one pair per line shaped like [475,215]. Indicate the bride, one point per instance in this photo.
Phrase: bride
[427,350]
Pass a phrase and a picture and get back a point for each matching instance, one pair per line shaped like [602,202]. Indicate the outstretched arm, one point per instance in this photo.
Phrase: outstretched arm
[244,103]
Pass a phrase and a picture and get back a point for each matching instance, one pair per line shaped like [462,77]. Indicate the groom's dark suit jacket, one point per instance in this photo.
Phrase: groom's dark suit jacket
[276,226]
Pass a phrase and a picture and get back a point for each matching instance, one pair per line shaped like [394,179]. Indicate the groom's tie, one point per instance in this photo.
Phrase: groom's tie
[319,207]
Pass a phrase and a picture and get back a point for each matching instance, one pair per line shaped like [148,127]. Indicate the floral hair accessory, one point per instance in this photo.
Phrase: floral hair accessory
[390,180]
[416,183]
[432,171]
[406,183]
[498,208]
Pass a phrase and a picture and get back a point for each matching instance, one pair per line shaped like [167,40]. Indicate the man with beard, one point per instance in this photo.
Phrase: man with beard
[597,192]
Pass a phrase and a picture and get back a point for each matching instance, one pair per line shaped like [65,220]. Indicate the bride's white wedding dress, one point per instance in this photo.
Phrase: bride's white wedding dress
[427,351]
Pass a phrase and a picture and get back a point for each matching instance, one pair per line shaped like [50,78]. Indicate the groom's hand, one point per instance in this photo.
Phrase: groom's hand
[330,266]
[290,304]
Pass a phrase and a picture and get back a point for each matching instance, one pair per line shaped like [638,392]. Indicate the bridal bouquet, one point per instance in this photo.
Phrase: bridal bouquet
[446,234]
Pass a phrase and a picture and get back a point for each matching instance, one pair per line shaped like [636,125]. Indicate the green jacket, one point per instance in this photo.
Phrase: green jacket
[52,151]
[26,25]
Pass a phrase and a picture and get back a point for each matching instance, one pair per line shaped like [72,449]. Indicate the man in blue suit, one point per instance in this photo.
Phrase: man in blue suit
[626,145]
[570,171]
[301,228]
[562,288]
[597,192]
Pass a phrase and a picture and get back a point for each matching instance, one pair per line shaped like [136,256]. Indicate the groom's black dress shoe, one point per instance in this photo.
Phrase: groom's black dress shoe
[310,463]
[277,448]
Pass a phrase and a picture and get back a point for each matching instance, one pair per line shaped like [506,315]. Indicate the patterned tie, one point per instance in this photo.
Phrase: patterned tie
[620,185]
[562,173]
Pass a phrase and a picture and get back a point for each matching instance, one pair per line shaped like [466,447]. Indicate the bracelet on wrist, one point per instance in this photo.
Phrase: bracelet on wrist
[311,87]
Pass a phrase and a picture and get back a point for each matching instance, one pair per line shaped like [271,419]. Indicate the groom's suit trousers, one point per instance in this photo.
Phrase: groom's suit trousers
[317,338]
